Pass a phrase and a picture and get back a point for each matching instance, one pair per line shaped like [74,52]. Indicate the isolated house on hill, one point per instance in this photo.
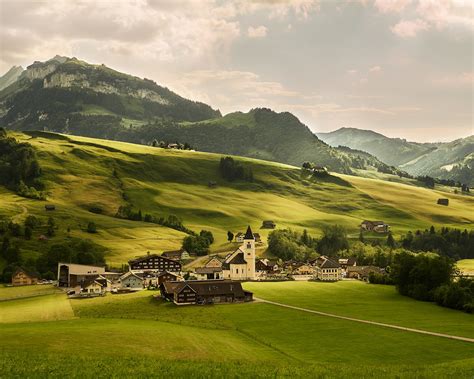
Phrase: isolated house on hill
[204,292]
[268,224]
[23,277]
[443,202]
[375,226]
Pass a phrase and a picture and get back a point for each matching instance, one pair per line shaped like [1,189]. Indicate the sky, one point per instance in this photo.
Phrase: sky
[403,68]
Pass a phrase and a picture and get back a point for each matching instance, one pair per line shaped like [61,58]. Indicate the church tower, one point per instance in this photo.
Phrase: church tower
[249,253]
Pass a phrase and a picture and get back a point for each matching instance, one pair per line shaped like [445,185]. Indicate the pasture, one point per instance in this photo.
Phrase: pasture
[144,335]
[81,173]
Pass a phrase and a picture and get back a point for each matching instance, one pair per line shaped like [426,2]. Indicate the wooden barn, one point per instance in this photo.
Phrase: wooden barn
[22,277]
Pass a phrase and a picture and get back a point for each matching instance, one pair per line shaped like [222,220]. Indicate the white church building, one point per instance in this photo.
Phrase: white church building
[240,265]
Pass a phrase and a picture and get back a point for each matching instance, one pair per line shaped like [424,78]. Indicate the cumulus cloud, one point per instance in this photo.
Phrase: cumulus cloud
[407,29]
[257,32]
[375,69]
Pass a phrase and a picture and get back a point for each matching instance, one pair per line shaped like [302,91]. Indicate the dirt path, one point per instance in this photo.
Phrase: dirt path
[465,339]
[19,216]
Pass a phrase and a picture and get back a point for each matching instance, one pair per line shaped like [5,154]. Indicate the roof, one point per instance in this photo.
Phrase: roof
[208,270]
[127,274]
[328,263]
[238,259]
[373,222]
[166,273]
[78,269]
[86,283]
[30,273]
[248,234]
[207,287]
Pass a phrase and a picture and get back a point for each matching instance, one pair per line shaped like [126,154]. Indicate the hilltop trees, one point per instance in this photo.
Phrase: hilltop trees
[232,170]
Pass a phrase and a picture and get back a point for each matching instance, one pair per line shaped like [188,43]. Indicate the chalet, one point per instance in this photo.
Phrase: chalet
[264,265]
[22,277]
[132,281]
[268,224]
[443,202]
[72,274]
[176,255]
[240,265]
[362,272]
[204,292]
[327,270]
[154,262]
[375,226]
[347,262]
[50,207]
[92,286]
[166,276]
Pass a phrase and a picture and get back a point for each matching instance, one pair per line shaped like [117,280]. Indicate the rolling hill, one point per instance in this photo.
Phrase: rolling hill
[83,175]
[70,96]
[452,160]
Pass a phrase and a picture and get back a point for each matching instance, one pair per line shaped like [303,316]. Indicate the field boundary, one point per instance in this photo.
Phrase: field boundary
[406,329]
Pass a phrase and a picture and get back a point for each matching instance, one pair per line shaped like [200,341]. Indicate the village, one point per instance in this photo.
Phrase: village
[218,280]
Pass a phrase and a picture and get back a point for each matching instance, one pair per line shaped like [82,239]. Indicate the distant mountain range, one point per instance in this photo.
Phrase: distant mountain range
[452,160]
[70,96]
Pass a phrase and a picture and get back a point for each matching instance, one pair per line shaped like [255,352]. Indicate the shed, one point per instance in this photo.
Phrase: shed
[443,202]
[50,207]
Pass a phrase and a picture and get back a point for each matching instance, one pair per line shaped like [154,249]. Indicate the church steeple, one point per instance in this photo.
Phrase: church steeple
[248,234]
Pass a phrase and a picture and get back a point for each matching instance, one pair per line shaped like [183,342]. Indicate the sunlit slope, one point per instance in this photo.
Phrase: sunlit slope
[83,172]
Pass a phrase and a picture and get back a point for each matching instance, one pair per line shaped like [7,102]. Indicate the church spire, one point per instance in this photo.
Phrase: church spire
[249,234]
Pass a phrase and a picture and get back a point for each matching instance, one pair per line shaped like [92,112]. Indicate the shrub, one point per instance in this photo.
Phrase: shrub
[91,227]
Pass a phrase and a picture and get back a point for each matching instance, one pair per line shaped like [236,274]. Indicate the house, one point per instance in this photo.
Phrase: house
[362,272]
[258,239]
[22,277]
[347,262]
[72,274]
[176,255]
[173,146]
[240,265]
[204,292]
[375,226]
[91,286]
[443,202]
[212,184]
[327,270]
[166,276]
[132,281]
[50,207]
[154,262]
[239,237]
[208,273]
[268,224]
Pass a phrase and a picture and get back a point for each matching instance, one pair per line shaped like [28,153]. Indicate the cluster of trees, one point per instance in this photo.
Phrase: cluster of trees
[429,277]
[232,170]
[164,145]
[430,182]
[454,243]
[198,244]
[19,167]
[172,221]
[318,171]
[287,244]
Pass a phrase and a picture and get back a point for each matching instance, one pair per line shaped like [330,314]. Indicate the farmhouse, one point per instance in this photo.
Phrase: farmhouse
[240,265]
[268,224]
[347,262]
[22,277]
[154,262]
[327,270]
[72,274]
[176,255]
[91,286]
[375,226]
[132,281]
[204,292]
[443,202]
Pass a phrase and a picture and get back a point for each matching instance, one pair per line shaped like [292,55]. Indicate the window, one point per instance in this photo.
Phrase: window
[249,245]
[236,270]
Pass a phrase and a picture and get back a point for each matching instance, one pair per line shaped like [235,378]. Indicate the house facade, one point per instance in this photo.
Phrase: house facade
[72,274]
[177,255]
[375,226]
[132,281]
[155,263]
[327,270]
[22,277]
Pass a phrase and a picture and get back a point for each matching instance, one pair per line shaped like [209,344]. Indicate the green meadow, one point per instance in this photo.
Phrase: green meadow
[79,174]
[145,336]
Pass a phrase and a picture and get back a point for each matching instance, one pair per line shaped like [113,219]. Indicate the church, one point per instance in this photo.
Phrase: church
[240,265]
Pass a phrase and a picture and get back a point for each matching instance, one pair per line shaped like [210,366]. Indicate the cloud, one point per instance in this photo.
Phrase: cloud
[257,32]
[389,6]
[464,79]
[444,13]
[407,29]
[375,69]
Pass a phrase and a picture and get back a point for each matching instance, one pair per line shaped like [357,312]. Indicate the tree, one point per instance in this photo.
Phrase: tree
[361,236]
[91,227]
[207,235]
[196,244]
[334,240]
[154,143]
[230,236]
[31,222]
[51,226]
[28,233]
[390,240]
[5,245]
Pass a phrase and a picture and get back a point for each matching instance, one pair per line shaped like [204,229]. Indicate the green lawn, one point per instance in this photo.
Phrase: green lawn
[9,293]
[236,340]
[78,173]
[466,266]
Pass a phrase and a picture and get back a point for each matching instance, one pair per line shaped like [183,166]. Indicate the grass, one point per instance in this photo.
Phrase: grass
[9,293]
[78,173]
[466,266]
[136,333]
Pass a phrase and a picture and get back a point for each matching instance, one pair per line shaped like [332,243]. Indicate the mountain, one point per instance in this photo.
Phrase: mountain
[10,76]
[393,151]
[70,96]
[453,160]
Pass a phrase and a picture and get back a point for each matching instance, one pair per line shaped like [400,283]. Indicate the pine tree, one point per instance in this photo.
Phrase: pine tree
[390,240]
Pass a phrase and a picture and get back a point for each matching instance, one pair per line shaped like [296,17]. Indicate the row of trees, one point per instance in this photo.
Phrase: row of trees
[232,170]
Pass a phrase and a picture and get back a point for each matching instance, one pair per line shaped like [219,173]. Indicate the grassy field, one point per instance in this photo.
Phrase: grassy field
[9,293]
[241,340]
[79,173]
[466,266]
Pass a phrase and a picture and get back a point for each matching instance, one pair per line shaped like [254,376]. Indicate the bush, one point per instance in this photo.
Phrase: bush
[97,209]
[456,295]
[91,227]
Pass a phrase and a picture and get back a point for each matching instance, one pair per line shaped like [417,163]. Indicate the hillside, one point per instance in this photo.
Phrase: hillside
[451,160]
[10,76]
[89,179]
[70,96]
